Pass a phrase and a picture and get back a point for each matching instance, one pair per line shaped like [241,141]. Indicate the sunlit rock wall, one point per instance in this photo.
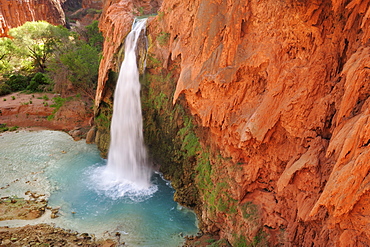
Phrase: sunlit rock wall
[14,13]
[282,88]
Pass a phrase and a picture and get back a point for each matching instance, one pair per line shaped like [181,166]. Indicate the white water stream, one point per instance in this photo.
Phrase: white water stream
[128,165]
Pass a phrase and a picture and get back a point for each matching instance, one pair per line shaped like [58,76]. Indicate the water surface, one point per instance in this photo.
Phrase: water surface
[68,172]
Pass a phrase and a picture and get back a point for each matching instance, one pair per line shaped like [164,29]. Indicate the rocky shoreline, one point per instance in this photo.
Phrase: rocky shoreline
[47,235]
[21,211]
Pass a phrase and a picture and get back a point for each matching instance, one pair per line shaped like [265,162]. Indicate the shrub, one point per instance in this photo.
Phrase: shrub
[5,89]
[4,128]
[38,83]
[17,82]
[58,103]
[163,38]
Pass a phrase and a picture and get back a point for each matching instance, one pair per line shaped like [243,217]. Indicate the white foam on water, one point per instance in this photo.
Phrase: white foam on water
[105,182]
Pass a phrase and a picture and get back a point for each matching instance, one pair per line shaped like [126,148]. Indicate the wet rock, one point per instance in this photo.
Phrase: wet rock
[90,136]
[76,133]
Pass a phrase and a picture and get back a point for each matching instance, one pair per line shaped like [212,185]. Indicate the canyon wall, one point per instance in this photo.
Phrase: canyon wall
[15,13]
[259,113]
[92,4]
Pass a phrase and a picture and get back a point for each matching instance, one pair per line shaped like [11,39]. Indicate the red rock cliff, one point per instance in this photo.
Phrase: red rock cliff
[14,13]
[115,23]
[93,4]
[282,88]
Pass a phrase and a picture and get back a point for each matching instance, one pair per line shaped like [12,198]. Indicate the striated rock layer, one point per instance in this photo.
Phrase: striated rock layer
[280,91]
[14,13]
[24,110]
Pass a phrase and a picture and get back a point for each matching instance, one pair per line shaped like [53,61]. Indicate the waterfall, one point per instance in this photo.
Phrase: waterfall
[127,157]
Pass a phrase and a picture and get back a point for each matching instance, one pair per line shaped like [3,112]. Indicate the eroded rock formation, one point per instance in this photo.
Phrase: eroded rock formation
[24,110]
[15,13]
[92,4]
[280,91]
[115,23]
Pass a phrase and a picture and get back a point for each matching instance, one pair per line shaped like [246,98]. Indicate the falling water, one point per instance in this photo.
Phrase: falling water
[127,158]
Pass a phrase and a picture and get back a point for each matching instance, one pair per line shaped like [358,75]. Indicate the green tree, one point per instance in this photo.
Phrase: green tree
[83,64]
[79,63]
[7,50]
[38,40]
[94,36]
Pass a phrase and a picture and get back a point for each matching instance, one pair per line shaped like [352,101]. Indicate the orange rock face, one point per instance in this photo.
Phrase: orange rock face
[115,23]
[24,110]
[16,13]
[282,88]
[92,4]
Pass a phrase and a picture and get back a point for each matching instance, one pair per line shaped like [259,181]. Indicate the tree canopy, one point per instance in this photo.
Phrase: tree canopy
[38,40]
[64,56]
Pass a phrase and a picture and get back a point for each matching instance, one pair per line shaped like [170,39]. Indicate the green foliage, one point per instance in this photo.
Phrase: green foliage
[39,83]
[94,11]
[190,145]
[83,64]
[259,240]
[7,50]
[58,103]
[240,241]
[153,62]
[219,243]
[104,119]
[65,56]
[94,36]
[140,10]
[4,128]
[5,89]
[170,138]
[79,63]
[17,82]
[163,38]
[160,15]
[37,40]
[204,170]
[249,211]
